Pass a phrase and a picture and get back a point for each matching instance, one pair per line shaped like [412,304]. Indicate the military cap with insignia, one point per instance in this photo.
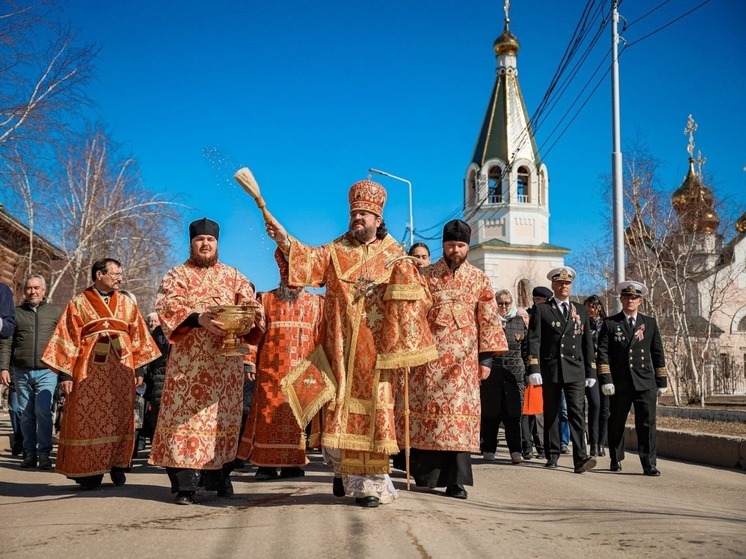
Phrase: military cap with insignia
[565,273]
[633,288]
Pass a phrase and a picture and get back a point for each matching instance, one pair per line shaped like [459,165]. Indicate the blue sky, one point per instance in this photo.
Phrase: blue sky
[310,95]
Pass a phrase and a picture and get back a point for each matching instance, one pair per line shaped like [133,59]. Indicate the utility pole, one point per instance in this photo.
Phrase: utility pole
[616,157]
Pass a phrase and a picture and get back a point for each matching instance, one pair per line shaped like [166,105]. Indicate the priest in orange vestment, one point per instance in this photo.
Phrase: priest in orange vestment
[196,435]
[444,400]
[274,435]
[366,343]
[98,343]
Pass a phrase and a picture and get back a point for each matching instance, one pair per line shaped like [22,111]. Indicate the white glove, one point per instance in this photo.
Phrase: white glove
[662,391]
[590,382]
[535,379]
[608,389]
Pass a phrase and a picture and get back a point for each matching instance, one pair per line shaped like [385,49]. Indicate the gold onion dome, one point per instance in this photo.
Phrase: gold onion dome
[693,201]
[638,230]
[507,42]
[741,224]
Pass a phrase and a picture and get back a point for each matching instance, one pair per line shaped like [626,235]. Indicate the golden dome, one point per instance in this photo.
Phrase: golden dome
[691,192]
[638,231]
[507,42]
[694,202]
[741,224]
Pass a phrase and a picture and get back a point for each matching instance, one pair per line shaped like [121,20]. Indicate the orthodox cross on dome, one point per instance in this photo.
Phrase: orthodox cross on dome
[691,128]
[507,7]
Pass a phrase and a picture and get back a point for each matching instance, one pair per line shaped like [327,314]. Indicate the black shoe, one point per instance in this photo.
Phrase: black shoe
[91,482]
[651,471]
[239,464]
[184,498]
[338,487]
[292,472]
[564,449]
[527,455]
[456,491]
[594,450]
[615,466]
[45,463]
[368,502]
[601,450]
[17,448]
[263,473]
[551,464]
[584,465]
[118,478]
[29,461]
[226,488]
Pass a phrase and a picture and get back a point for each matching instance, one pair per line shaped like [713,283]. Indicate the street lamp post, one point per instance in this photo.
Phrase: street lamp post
[409,184]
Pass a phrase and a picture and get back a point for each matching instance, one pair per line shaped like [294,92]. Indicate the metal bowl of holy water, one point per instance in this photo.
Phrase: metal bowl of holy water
[235,319]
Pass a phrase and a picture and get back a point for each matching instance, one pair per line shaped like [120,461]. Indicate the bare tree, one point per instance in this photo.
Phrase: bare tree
[43,74]
[103,210]
[42,81]
[678,253]
[674,246]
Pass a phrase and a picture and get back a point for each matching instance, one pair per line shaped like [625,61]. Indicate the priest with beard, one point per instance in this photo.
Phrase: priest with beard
[444,397]
[274,433]
[197,434]
[374,312]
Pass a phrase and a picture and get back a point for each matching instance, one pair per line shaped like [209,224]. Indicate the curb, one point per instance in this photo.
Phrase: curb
[700,448]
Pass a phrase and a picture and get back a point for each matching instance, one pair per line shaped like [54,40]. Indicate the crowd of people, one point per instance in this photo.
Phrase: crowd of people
[399,358]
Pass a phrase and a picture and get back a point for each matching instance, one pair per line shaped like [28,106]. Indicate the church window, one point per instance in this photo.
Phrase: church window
[522,188]
[524,290]
[542,180]
[495,184]
[472,184]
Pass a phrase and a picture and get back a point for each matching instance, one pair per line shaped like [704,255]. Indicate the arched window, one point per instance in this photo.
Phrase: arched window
[524,293]
[542,180]
[522,188]
[472,186]
[495,184]
[742,325]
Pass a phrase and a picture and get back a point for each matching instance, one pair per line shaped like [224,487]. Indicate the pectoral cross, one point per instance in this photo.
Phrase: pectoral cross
[363,288]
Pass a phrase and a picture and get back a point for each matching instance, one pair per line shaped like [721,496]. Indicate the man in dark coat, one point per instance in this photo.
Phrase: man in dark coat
[560,357]
[155,375]
[632,369]
[35,383]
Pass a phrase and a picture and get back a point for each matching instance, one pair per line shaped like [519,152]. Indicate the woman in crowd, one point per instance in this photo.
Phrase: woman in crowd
[421,253]
[502,392]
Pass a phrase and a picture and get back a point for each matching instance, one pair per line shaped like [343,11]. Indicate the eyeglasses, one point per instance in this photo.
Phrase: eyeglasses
[118,275]
[504,304]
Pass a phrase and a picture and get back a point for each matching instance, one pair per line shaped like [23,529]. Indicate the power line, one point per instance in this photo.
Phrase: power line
[628,25]
[695,8]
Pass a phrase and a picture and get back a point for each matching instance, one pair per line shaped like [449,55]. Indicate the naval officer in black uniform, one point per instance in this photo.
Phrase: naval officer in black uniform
[632,370]
[561,356]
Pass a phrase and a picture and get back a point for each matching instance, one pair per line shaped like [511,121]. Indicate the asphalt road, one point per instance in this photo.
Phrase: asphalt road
[512,511]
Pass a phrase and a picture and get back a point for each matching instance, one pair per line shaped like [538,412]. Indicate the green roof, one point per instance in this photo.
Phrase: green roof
[497,244]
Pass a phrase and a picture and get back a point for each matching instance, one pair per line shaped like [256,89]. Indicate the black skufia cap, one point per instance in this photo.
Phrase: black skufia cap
[457,230]
[204,226]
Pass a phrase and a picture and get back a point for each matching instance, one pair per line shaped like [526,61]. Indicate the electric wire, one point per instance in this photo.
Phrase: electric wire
[557,88]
